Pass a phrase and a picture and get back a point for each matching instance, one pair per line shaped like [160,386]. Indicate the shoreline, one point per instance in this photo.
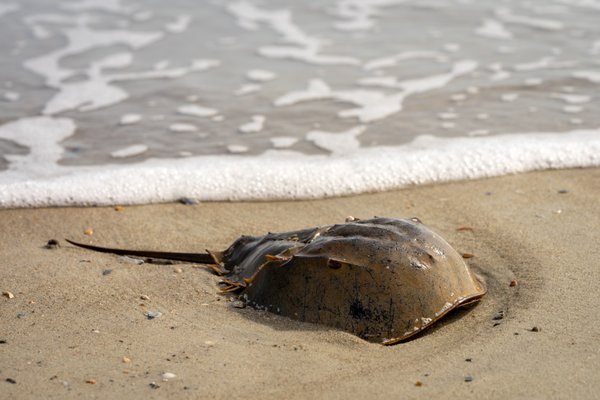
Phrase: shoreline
[71,322]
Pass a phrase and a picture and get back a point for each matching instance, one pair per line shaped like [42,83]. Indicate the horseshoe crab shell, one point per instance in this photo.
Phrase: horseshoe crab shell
[381,279]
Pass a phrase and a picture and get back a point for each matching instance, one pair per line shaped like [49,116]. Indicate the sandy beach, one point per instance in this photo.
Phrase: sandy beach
[76,327]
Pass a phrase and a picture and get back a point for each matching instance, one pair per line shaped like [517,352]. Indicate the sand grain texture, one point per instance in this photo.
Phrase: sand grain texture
[69,323]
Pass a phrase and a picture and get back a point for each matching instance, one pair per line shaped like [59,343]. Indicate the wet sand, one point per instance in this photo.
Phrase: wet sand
[71,321]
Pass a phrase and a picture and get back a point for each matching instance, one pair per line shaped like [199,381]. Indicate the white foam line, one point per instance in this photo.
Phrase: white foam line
[590,4]
[572,98]
[103,5]
[247,89]
[296,176]
[358,15]
[545,63]
[306,48]
[592,76]
[130,151]
[250,16]
[317,90]
[390,61]
[260,75]
[98,91]
[42,136]
[374,105]
[506,15]
[181,127]
[79,40]
[197,111]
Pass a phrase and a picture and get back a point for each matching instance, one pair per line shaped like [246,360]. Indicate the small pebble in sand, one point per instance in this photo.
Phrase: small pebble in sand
[152,314]
[52,244]
[188,201]
[468,255]
[11,380]
[119,208]
[89,232]
[8,295]
[154,385]
[144,297]
[209,343]
[468,378]
[167,375]
[91,381]
[498,316]
[126,360]
[418,383]
[513,283]
[131,260]
[468,359]
[238,304]
[563,191]
[21,315]
[107,272]
[178,270]
[535,329]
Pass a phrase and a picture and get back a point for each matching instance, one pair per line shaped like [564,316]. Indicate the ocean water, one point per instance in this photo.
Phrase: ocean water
[131,101]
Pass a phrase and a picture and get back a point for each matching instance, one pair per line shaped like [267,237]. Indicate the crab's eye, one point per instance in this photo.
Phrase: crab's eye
[334,264]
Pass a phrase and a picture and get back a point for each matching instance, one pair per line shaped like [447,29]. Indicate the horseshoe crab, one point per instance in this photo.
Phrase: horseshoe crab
[381,279]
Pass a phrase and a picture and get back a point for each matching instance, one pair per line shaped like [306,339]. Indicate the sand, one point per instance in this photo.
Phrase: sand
[69,323]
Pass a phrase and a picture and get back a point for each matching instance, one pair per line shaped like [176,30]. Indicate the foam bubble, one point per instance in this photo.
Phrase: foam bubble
[282,142]
[260,75]
[337,143]
[179,25]
[130,151]
[256,125]
[196,111]
[494,29]
[572,98]
[247,89]
[237,148]
[11,96]
[592,76]
[130,119]
[181,127]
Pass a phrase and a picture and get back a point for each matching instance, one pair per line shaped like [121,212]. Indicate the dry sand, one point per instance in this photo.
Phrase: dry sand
[68,323]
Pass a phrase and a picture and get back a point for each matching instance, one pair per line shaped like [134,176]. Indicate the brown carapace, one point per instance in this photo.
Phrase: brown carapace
[381,279]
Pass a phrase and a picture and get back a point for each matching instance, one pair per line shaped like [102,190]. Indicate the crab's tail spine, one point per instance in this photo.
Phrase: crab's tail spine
[201,258]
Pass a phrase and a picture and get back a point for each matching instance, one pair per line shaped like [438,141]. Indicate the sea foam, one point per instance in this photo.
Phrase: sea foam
[283,174]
